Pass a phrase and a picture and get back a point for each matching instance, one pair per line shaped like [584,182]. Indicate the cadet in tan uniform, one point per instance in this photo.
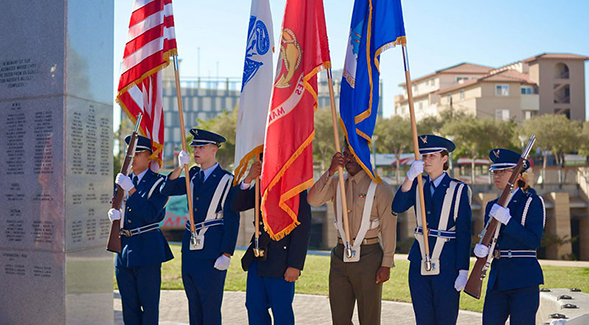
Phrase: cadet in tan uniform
[360,277]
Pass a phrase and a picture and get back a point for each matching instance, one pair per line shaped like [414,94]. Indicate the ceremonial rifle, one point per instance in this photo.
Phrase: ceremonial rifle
[491,231]
[114,238]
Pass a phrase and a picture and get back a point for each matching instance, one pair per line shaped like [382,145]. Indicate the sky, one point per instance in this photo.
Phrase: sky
[211,36]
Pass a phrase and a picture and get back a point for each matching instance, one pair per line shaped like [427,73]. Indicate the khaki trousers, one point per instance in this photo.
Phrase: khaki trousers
[351,282]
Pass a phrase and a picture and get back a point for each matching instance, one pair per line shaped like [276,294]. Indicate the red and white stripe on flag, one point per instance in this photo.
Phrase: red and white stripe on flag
[151,41]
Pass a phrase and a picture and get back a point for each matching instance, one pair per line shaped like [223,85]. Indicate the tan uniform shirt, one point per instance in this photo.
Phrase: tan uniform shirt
[325,189]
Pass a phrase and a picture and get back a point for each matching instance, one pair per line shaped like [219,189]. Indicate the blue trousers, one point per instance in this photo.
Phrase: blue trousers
[520,305]
[203,285]
[140,293]
[265,292]
[435,301]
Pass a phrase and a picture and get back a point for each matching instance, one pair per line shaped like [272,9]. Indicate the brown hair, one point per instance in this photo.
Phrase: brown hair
[446,164]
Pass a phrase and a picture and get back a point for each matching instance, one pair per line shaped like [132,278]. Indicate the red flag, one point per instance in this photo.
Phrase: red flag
[288,155]
[151,41]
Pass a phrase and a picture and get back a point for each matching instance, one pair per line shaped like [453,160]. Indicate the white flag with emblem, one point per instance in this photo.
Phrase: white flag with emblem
[256,88]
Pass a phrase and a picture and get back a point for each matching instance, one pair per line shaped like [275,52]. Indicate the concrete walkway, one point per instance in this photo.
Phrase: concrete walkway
[309,310]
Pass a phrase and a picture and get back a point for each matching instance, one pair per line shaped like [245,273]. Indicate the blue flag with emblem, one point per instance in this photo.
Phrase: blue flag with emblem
[377,25]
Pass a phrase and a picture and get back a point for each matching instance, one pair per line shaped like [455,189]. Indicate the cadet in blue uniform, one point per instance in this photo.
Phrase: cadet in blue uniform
[513,287]
[435,294]
[271,279]
[207,253]
[138,266]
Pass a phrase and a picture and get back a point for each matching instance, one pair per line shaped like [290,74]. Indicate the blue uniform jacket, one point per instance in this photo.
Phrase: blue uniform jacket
[513,273]
[218,239]
[151,247]
[456,252]
[290,251]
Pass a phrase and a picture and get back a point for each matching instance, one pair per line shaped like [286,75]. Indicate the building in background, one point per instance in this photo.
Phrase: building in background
[202,98]
[206,97]
[548,83]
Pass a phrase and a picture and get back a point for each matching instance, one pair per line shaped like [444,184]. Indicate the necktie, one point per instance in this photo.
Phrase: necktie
[201,177]
[135,180]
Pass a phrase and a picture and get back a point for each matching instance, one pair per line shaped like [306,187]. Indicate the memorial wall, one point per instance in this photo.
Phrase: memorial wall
[56,89]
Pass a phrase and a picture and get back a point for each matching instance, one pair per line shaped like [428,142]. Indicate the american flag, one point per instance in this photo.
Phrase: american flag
[151,41]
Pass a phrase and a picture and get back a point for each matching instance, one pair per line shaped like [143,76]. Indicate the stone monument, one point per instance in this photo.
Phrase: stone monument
[56,90]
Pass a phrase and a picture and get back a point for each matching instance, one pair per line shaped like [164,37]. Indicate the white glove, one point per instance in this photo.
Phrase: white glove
[416,169]
[222,262]
[481,250]
[114,214]
[461,280]
[500,213]
[124,182]
[558,322]
[183,159]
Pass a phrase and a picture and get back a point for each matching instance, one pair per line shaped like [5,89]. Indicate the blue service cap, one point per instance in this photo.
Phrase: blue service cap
[505,158]
[143,143]
[204,137]
[429,143]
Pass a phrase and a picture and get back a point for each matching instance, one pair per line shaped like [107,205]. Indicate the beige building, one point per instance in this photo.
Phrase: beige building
[543,84]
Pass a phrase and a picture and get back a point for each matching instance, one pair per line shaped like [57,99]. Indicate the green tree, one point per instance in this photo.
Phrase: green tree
[324,142]
[394,135]
[476,137]
[584,144]
[224,124]
[556,134]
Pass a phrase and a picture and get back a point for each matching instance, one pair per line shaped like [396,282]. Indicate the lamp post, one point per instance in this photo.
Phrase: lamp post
[522,139]
[450,164]
[374,138]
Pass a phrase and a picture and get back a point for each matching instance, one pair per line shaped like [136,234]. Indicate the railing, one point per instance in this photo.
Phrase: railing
[212,83]
[562,99]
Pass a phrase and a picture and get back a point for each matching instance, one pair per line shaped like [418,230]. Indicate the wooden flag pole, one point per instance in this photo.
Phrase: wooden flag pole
[340,172]
[257,251]
[428,263]
[184,147]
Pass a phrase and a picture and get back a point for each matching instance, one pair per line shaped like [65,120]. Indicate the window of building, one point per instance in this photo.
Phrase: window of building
[561,71]
[461,94]
[176,134]
[501,115]
[564,111]
[527,90]
[449,100]
[461,79]
[529,114]
[501,90]
[562,94]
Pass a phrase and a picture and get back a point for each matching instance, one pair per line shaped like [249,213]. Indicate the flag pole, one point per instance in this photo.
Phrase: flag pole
[257,251]
[342,185]
[183,133]
[428,263]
